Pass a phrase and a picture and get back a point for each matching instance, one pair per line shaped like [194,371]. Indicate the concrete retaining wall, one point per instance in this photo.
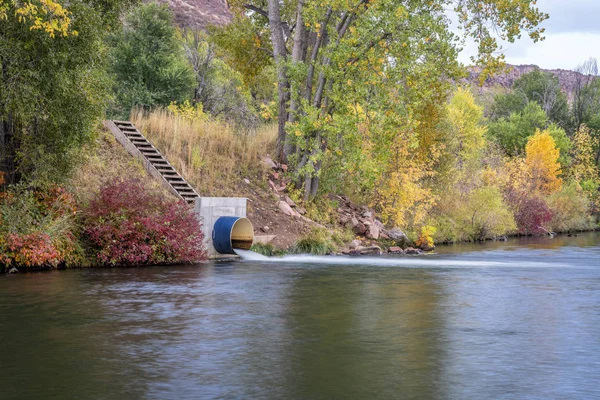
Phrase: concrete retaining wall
[209,209]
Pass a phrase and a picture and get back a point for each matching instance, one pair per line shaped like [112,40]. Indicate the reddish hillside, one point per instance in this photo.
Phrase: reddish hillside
[567,79]
[199,13]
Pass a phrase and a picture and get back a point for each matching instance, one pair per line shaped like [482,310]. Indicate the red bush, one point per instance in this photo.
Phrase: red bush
[532,214]
[130,225]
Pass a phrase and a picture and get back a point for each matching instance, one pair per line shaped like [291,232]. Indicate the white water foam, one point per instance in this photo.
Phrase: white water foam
[385,261]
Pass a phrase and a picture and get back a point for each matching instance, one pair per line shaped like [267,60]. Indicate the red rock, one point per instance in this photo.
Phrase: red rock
[275,175]
[360,229]
[395,250]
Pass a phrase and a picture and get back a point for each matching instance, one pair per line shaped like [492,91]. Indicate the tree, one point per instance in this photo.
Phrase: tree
[513,133]
[387,57]
[586,93]
[219,88]
[148,61]
[542,163]
[583,167]
[53,85]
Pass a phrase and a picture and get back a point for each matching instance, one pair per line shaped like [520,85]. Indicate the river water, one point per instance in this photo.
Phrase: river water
[514,320]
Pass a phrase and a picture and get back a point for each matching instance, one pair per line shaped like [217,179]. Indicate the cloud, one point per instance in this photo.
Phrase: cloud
[571,15]
[572,36]
[564,50]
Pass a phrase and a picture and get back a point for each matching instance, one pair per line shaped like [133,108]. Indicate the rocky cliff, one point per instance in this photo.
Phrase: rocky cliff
[567,79]
[199,13]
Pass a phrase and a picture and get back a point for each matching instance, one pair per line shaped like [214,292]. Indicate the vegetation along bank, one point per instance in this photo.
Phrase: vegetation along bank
[349,127]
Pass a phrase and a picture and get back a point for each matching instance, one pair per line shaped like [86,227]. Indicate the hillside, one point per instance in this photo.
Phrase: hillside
[199,13]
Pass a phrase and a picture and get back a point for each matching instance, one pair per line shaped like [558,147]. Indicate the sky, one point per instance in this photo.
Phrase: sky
[572,36]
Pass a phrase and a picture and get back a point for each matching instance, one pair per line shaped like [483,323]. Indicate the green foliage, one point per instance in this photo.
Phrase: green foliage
[267,249]
[219,88]
[571,209]
[540,87]
[53,90]
[318,241]
[512,133]
[148,61]
[480,215]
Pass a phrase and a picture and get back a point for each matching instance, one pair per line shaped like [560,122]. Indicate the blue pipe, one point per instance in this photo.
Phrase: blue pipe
[222,234]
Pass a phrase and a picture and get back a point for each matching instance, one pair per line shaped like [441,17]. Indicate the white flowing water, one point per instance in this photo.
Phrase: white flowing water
[427,260]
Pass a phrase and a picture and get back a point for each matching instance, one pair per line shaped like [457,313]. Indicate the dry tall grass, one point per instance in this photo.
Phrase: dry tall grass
[212,156]
[105,161]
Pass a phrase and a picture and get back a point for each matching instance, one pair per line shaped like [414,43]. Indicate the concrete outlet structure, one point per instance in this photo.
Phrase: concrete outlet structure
[209,209]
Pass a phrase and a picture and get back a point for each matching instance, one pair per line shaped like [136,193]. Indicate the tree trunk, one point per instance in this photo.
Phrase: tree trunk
[283,85]
[300,39]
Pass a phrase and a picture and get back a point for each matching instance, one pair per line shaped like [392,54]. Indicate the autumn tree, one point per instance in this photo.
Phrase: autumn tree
[542,163]
[385,56]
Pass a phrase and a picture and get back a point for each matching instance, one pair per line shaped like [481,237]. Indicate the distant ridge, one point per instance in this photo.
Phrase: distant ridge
[199,13]
[566,78]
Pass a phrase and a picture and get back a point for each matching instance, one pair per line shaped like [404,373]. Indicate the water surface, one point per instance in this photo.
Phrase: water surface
[503,320]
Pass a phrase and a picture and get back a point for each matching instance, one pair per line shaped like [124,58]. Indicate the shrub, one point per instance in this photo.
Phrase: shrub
[485,214]
[571,209]
[532,216]
[128,224]
[318,241]
[37,228]
[425,240]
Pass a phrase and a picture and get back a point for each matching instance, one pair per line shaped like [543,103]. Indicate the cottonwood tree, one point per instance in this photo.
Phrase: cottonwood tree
[386,56]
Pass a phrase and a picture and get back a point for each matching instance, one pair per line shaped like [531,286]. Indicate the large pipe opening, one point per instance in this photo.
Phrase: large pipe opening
[231,233]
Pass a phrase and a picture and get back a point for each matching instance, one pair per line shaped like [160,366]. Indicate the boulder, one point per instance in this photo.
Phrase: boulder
[354,221]
[395,250]
[413,251]
[287,210]
[369,250]
[355,243]
[284,167]
[275,175]
[269,163]
[301,210]
[397,235]
[359,229]
[373,232]
[367,214]
[289,201]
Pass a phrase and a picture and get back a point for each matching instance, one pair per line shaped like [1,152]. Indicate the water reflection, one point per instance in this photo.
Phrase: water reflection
[513,329]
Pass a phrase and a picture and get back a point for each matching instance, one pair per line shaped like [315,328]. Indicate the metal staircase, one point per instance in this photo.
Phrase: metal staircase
[155,163]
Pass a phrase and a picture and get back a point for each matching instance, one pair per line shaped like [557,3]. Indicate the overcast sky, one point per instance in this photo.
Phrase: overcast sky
[572,36]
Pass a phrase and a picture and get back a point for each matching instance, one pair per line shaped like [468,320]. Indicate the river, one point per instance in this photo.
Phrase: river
[513,320]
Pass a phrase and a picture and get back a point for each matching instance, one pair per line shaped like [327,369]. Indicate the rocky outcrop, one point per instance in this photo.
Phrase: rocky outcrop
[567,79]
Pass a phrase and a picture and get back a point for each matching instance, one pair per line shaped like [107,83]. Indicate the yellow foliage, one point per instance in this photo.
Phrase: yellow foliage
[425,240]
[542,162]
[43,15]
[188,111]
[583,166]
